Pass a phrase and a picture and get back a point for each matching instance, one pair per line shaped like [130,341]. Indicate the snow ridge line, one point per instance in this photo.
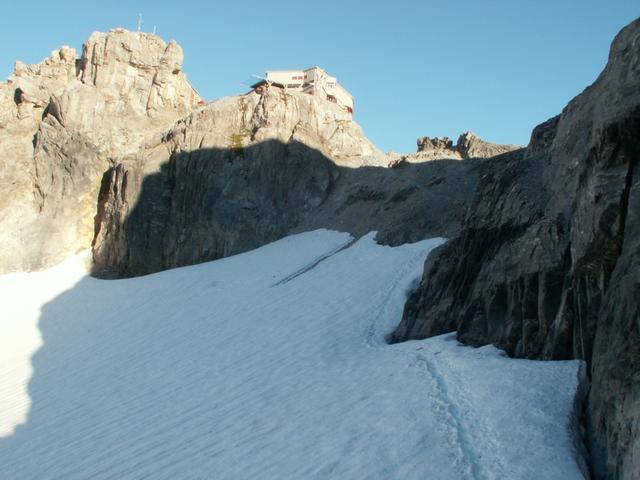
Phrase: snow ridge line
[314,263]
[463,438]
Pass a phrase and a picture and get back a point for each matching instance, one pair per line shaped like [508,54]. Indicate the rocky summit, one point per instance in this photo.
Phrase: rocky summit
[64,122]
[469,145]
[115,151]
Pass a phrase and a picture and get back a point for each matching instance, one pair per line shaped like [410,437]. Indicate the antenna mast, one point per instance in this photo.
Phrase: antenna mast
[139,21]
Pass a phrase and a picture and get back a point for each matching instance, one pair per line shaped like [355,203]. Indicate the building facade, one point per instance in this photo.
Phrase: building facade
[314,81]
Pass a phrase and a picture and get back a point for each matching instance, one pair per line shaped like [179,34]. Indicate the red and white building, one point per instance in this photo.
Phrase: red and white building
[314,81]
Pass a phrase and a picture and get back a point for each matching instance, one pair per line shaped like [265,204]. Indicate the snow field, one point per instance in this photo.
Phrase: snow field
[269,364]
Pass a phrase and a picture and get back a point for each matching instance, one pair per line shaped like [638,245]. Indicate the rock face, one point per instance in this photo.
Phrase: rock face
[139,78]
[247,170]
[23,101]
[61,124]
[469,145]
[442,145]
[546,265]
[116,149]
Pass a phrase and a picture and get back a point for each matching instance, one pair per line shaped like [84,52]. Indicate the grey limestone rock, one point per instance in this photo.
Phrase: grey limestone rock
[469,145]
[243,171]
[546,263]
[116,150]
[63,121]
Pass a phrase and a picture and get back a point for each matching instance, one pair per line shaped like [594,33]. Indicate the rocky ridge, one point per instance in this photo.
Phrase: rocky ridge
[63,122]
[108,149]
[255,167]
[546,264]
[469,145]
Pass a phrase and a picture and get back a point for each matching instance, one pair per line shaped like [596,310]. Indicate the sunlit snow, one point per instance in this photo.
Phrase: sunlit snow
[267,365]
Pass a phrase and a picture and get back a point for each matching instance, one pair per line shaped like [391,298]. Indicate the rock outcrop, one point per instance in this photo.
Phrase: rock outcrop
[469,145]
[63,121]
[247,170]
[437,145]
[546,265]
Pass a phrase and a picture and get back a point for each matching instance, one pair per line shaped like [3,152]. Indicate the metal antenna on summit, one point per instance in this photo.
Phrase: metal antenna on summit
[139,21]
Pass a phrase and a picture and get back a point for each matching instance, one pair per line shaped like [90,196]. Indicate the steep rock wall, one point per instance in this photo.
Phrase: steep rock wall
[63,121]
[546,262]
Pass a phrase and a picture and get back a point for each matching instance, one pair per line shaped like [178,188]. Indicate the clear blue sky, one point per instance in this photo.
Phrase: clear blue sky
[415,67]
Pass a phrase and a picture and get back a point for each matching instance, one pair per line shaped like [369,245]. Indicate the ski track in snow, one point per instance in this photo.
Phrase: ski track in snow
[271,364]
[314,263]
[462,441]
[481,469]
[386,307]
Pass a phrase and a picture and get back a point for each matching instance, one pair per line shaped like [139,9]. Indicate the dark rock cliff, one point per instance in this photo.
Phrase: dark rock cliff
[209,203]
[547,261]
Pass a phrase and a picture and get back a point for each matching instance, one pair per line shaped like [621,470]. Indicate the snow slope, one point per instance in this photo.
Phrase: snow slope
[272,365]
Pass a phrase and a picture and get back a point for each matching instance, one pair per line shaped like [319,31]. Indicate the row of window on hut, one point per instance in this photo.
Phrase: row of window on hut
[314,81]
